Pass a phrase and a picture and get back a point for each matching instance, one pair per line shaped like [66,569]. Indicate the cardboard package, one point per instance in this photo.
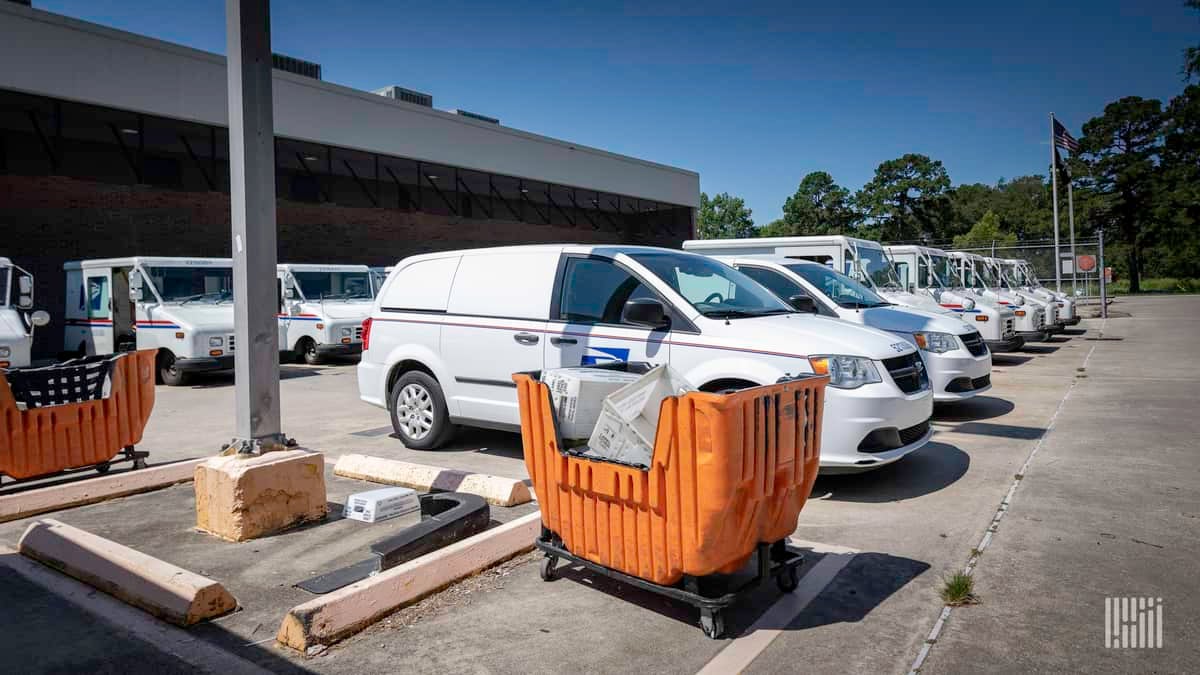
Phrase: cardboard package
[578,396]
[628,422]
[373,506]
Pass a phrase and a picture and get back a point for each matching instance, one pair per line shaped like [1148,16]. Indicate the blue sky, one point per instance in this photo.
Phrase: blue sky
[752,95]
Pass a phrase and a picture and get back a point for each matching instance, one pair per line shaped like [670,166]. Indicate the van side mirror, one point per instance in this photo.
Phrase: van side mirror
[24,292]
[803,303]
[645,312]
[135,286]
[39,318]
[289,292]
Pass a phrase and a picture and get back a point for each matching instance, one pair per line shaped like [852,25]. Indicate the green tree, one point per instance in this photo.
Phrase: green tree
[984,233]
[968,203]
[907,199]
[1177,213]
[723,217]
[819,206]
[775,228]
[1120,150]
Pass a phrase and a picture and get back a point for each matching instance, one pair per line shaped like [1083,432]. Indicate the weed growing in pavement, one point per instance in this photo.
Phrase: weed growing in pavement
[959,589]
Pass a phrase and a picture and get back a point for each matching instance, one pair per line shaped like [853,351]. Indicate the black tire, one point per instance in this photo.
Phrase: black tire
[788,579]
[416,398]
[139,463]
[168,374]
[103,467]
[306,351]
[546,569]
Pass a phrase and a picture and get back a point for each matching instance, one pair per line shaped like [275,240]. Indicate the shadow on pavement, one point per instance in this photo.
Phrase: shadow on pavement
[1039,349]
[225,378]
[864,584]
[1000,430]
[977,408]
[1009,359]
[932,468]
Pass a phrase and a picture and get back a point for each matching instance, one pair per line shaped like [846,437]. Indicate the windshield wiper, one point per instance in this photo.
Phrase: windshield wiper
[742,314]
[854,304]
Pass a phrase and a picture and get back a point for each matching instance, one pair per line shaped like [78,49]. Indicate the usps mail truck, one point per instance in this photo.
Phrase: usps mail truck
[322,308]
[17,322]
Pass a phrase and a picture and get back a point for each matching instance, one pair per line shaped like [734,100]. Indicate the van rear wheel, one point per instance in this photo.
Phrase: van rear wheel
[419,413]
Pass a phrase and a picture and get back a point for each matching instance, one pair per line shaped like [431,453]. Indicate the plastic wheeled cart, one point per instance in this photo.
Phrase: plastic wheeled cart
[726,481]
[81,414]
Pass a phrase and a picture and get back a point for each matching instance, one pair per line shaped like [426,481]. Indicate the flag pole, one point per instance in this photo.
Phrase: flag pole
[1071,220]
[1054,189]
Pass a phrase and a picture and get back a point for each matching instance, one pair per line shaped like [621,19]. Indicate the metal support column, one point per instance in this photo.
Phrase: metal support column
[252,193]
[1103,281]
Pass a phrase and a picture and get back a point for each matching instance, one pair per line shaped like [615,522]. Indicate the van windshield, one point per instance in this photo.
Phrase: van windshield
[985,276]
[335,285]
[875,269]
[211,285]
[843,290]
[716,290]
[944,272]
[5,273]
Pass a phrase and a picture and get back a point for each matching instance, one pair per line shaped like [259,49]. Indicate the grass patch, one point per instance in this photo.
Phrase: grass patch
[959,589]
[1159,285]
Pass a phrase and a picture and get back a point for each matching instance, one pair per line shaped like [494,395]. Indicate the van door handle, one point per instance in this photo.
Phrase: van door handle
[526,338]
[563,341]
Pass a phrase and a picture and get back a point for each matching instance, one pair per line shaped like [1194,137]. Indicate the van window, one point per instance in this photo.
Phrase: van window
[514,284]
[422,286]
[774,281]
[97,294]
[595,291]
[902,273]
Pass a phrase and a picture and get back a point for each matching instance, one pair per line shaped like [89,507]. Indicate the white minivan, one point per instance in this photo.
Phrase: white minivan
[16,323]
[183,307]
[322,308]
[959,363]
[449,329]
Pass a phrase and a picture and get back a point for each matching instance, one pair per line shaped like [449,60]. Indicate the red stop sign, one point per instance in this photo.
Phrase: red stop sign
[1087,263]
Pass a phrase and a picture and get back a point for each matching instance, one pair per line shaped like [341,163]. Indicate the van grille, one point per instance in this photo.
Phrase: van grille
[914,433]
[974,344]
[358,334]
[229,342]
[908,372]
[1008,327]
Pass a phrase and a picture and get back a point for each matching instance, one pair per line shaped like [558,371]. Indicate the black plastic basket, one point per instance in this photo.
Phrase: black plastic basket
[74,381]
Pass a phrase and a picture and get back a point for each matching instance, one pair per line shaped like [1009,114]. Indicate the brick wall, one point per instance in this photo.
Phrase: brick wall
[48,220]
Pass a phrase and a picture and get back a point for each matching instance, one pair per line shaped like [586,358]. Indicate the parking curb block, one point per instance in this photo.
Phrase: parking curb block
[156,586]
[337,615]
[58,497]
[497,490]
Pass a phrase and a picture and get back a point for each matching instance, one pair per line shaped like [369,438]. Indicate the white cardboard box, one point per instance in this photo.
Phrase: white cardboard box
[578,396]
[373,506]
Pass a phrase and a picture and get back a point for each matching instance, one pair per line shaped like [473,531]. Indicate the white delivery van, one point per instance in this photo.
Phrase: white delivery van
[449,329]
[183,307]
[931,272]
[1004,288]
[16,323]
[322,308]
[959,364]
[976,276]
[1019,275]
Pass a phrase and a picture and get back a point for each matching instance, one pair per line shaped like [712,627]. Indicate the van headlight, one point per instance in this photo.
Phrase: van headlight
[937,343]
[968,303]
[216,341]
[5,352]
[1018,299]
[845,372]
[347,332]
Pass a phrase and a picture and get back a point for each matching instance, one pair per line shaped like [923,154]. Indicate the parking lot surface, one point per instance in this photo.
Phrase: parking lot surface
[1100,510]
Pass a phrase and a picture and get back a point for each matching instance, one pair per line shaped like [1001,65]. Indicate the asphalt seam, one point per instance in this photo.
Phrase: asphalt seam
[1005,504]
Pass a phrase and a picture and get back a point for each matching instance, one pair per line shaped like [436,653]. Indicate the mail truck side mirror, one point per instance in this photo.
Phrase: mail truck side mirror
[24,292]
[39,318]
[645,312]
[803,303]
[135,286]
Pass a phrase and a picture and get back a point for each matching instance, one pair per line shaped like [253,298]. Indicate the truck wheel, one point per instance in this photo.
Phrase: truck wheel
[419,413]
[168,374]
[306,349]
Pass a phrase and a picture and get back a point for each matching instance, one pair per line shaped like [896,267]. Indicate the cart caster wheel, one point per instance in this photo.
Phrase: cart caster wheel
[713,624]
[547,568]
[103,467]
[788,579]
[139,463]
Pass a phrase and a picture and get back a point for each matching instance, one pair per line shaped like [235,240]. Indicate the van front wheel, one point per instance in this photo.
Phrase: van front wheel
[168,373]
[306,349]
[419,413]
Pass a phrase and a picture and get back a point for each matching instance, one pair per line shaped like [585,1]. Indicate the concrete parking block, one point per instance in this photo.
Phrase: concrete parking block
[244,497]
[160,588]
[497,490]
[58,497]
[339,614]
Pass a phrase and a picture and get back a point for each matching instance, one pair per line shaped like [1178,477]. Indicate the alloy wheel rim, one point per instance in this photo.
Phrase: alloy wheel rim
[414,411]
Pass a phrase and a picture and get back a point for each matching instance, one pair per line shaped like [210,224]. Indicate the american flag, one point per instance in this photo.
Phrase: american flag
[1064,139]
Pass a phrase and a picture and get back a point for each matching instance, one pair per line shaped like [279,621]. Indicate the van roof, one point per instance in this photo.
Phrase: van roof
[757,242]
[767,257]
[149,261]
[5,262]
[553,248]
[915,248]
[320,267]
